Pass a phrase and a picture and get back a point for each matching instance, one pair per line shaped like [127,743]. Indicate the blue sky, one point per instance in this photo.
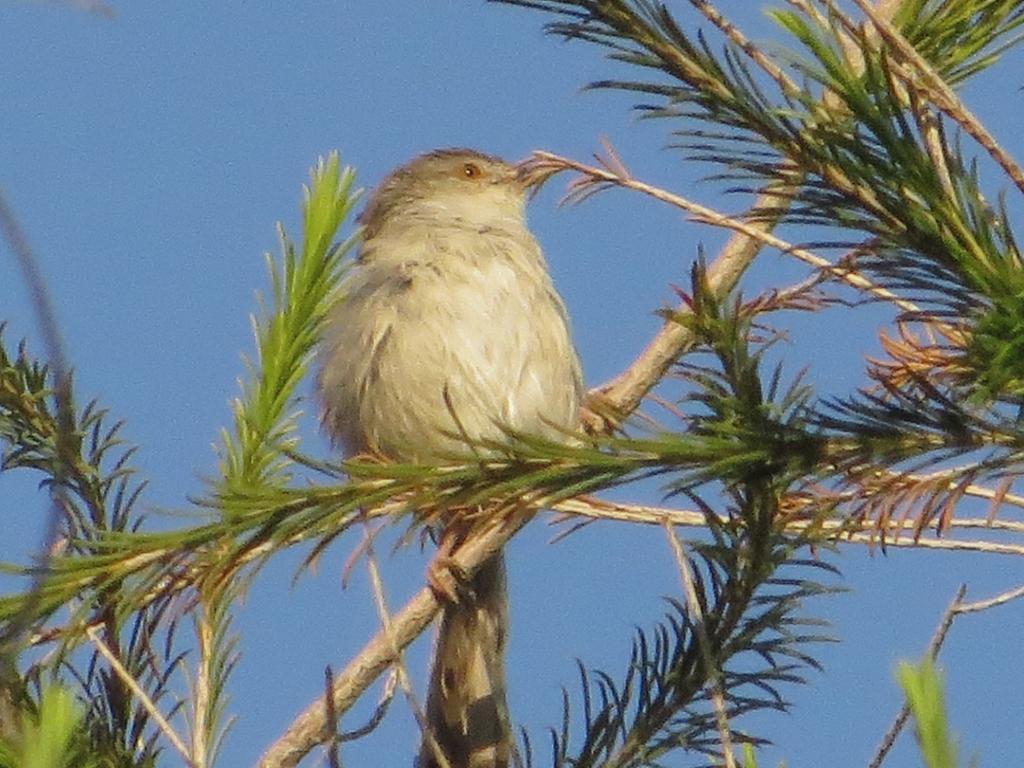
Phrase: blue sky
[149,157]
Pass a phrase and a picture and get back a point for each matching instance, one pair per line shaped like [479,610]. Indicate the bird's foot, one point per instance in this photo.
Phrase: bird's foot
[446,578]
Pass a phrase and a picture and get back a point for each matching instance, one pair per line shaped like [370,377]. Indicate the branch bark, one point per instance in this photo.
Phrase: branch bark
[933,651]
[622,395]
[312,727]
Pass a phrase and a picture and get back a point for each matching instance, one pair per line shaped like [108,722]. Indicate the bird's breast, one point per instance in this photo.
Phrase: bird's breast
[443,348]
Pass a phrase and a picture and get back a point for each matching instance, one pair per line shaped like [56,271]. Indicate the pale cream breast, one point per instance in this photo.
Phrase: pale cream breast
[462,337]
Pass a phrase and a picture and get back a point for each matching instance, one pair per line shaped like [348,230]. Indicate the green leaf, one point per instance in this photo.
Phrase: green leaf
[926,698]
[47,739]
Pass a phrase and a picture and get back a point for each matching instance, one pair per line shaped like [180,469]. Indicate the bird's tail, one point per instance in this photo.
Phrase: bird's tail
[467,712]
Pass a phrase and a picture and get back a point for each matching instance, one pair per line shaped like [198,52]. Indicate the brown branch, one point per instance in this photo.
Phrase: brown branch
[992,602]
[140,693]
[400,670]
[749,235]
[624,393]
[955,608]
[933,650]
[308,729]
[712,668]
[612,401]
[732,32]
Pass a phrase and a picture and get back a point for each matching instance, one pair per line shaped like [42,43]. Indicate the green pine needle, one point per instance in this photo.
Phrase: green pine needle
[303,286]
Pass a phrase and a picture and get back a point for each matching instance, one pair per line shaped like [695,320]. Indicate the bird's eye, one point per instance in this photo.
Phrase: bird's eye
[472,171]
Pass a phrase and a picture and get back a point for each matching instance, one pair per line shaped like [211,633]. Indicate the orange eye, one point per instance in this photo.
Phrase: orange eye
[472,171]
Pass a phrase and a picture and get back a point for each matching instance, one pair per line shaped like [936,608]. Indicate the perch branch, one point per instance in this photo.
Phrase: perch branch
[307,730]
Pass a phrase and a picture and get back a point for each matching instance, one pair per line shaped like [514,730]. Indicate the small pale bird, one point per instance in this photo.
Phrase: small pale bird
[449,331]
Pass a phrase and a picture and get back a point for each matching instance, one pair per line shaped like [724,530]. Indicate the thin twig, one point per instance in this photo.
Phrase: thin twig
[387,695]
[752,230]
[840,529]
[608,404]
[60,374]
[623,394]
[125,676]
[742,42]
[992,602]
[711,668]
[933,651]
[626,390]
[401,671]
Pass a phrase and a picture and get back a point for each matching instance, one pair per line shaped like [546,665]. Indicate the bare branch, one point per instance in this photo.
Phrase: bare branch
[933,651]
[841,530]
[992,602]
[387,695]
[955,608]
[400,670]
[714,673]
[125,676]
[741,41]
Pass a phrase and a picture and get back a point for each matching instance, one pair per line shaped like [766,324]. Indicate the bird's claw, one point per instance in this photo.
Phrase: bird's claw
[448,580]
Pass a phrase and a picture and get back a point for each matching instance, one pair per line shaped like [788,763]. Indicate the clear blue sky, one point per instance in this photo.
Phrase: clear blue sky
[149,157]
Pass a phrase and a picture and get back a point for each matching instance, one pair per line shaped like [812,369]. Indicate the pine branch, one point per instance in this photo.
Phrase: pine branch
[112,573]
[863,156]
[303,287]
[612,401]
[100,496]
[959,39]
[868,169]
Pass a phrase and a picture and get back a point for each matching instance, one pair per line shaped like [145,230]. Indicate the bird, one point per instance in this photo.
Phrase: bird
[448,337]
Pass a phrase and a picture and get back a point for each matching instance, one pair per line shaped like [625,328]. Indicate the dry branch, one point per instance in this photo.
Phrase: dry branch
[839,531]
[933,651]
